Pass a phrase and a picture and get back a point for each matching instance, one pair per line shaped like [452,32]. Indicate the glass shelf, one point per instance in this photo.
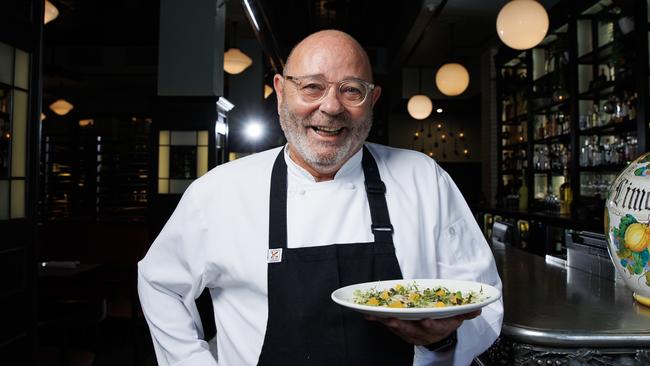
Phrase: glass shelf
[553,139]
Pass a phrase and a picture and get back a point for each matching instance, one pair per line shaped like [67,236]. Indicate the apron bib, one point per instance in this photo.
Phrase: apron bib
[305,327]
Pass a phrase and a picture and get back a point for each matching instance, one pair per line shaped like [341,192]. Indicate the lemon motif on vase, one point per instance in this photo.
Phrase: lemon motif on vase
[637,236]
[627,226]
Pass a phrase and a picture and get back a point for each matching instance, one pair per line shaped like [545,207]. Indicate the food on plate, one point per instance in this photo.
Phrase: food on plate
[410,296]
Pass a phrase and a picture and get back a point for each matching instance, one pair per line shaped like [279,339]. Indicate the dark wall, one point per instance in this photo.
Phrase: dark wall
[467,177]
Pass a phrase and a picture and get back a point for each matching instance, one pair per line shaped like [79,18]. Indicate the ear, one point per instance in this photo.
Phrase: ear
[376,92]
[278,85]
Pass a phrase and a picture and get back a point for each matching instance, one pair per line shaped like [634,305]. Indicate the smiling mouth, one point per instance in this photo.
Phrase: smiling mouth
[327,131]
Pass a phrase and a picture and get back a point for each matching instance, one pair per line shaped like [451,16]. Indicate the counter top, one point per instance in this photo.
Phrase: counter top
[553,218]
[548,304]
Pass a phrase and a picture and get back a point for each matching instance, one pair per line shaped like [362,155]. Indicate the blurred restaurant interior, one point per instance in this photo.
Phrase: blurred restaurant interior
[109,110]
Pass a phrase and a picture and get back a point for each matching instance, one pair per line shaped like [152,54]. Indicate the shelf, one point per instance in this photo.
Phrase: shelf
[518,146]
[514,121]
[554,106]
[544,78]
[604,52]
[600,54]
[602,92]
[515,63]
[603,168]
[553,139]
[610,129]
[512,171]
[549,171]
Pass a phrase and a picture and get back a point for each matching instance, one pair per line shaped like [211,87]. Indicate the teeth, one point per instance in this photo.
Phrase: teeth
[327,129]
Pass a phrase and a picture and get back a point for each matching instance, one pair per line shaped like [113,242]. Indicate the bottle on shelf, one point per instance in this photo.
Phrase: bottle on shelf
[595,116]
[523,193]
[566,195]
[631,103]
[612,72]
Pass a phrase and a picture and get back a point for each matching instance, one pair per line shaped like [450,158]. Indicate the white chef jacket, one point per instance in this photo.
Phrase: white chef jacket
[218,238]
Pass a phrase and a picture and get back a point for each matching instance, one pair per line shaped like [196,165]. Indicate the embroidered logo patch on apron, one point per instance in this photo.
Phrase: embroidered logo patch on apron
[274,255]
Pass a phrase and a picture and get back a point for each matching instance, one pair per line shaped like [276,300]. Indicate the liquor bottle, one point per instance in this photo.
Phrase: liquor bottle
[566,195]
[631,103]
[612,72]
[523,193]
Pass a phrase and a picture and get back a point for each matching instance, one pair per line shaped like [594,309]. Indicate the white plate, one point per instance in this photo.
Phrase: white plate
[344,297]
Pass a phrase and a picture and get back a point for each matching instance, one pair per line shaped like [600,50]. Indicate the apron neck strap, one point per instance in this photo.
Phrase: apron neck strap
[278,204]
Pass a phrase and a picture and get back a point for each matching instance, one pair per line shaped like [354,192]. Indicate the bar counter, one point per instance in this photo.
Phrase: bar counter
[555,314]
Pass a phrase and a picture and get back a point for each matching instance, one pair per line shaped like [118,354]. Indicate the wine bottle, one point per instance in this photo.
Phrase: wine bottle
[523,193]
[566,195]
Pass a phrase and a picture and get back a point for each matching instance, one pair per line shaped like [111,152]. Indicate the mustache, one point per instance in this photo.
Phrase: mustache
[316,119]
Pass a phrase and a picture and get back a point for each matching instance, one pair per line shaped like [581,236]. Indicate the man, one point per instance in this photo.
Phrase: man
[273,234]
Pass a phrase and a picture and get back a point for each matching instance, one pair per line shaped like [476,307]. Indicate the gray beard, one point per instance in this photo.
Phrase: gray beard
[296,135]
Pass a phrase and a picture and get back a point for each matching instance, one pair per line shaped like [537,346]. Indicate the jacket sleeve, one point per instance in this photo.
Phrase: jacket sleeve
[170,277]
[462,253]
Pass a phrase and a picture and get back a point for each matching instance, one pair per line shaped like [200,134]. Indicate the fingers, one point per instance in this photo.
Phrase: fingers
[425,331]
[468,316]
[421,332]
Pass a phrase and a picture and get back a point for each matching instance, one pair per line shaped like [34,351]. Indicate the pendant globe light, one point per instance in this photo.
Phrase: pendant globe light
[419,105]
[61,107]
[522,24]
[234,60]
[50,13]
[452,78]
[267,91]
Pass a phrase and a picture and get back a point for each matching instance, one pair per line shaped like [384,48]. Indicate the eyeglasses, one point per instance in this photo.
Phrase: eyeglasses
[312,89]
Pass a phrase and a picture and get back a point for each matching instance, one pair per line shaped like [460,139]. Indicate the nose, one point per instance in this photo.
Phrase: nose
[331,104]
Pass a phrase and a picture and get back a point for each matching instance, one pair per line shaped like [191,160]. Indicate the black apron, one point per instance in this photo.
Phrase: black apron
[305,327]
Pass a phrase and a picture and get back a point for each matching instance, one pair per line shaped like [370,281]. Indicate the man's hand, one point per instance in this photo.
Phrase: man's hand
[425,331]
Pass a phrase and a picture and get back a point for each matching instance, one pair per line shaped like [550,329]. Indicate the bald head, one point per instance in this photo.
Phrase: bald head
[323,134]
[325,46]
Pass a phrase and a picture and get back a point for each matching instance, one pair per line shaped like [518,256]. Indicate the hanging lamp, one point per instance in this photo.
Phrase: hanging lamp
[50,13]
[234,60]
[419,106]
[61,107]
[522,24]
[452,78]
[267,91]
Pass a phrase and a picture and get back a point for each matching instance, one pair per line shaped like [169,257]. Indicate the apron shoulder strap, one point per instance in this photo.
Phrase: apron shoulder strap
[376,192]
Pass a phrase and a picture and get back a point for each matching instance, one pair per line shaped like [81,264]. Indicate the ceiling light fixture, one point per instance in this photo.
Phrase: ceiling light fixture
[50,13]
[61,107]
[452,78]
[267,91]
[419,105]
[234,60]
[522,24]
[86,122]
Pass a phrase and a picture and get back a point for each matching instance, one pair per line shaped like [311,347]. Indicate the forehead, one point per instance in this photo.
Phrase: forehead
[335,58]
